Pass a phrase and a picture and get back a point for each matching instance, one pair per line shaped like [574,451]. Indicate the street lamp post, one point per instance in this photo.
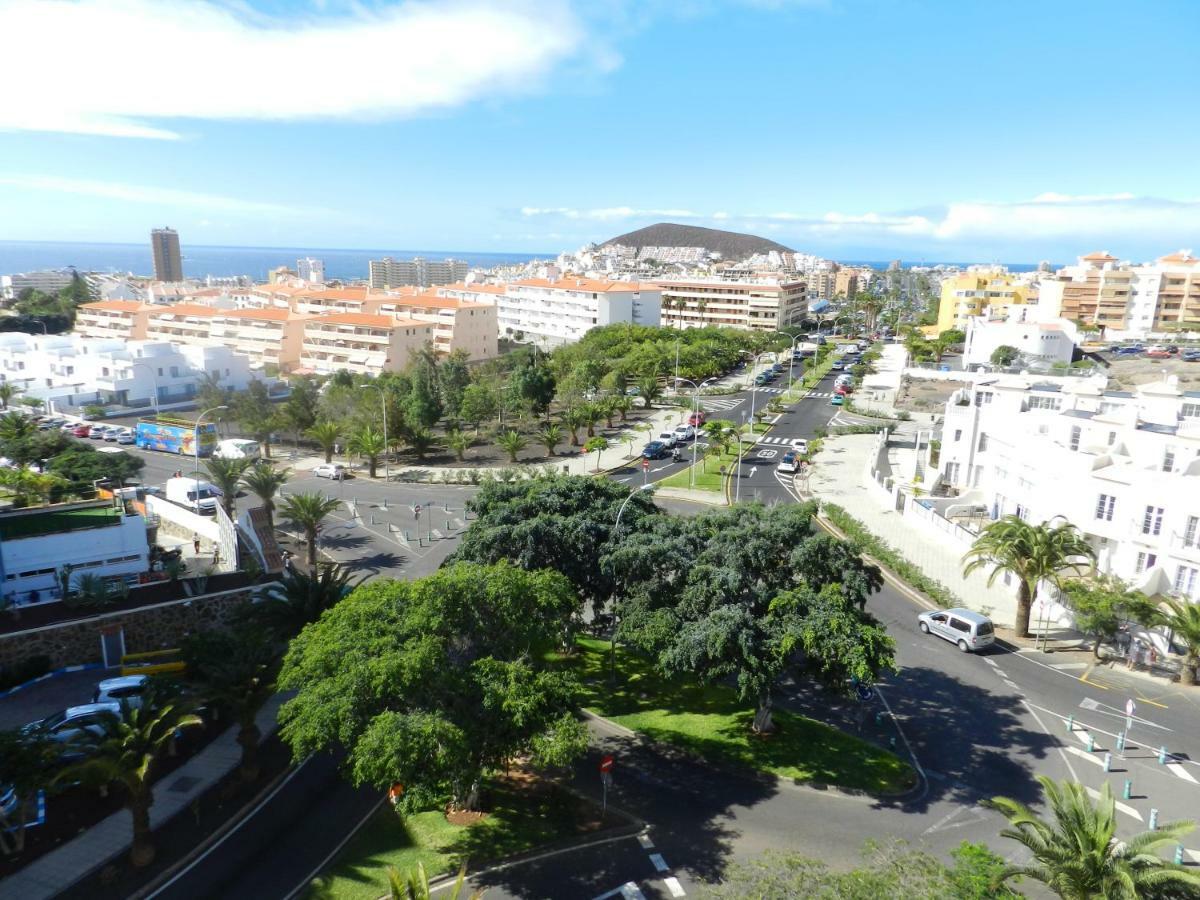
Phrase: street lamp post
[612,644]
[792,361]
[196,449]
[754,393]
[387,471]
[737,484]
[154,377]
[695,409]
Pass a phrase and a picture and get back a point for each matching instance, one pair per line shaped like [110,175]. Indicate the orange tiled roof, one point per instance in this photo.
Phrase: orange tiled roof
[478,288]
[121,305]
[1180,257]
[366,319]
[186,309]
[270,314]
[334,294]
[1100,256]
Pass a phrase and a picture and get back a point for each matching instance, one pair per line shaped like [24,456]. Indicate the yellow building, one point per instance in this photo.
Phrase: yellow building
[967,294]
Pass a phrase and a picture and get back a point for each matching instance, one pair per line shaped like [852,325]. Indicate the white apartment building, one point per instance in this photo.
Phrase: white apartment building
[124,319]
[733,304]
[561,310]
[1040,343]
[69,371]
[418,271]
[1123,467]
[311,270]
[49,281]
[360,343]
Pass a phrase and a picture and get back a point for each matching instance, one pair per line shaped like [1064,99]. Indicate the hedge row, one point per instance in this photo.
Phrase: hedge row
[886,555]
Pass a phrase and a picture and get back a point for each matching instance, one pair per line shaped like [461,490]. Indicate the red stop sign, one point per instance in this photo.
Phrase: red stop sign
[606,763]
[645,463]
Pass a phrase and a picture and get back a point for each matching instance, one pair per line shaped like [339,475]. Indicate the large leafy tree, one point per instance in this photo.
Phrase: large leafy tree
[1032,554]
[258,416]
[1076,853]
[751,594]
[82,465]
[301,408]
[127,755]
[287,605]
[308,512]
[479,403]
[1102,605]
[562,522]
[535,384]
[434,683]
[453,379]
[423,405]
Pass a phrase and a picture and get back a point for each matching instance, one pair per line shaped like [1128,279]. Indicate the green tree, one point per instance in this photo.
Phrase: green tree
[210,393]
[649,389]
[414,885]
[1078,856]
[1183,618]
[479,403]
[127,755]
[265,481]
[257,415]
[437,681]
[27,763]
[237,668]
[1005,355]
[226,475]
[326,434]
[302,405]
[25,487]
[16,426]
[1102,605]
[591,415]
[370,445]
[512,443]
[8,390]
[1032,554]
[308,512]
[297,598]
[574,419]
[597,444]
[459,442]
[453,379]
[81,465]
[535,384]
[550,437]
[423,405]
[92,591]
[419,439]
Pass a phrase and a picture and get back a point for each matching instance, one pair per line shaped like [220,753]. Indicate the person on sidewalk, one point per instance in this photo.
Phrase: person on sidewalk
[196,542]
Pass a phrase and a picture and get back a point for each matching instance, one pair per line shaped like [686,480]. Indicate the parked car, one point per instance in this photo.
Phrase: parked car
[761,379]
[130,688]
[125,436]
[654,450]
[843,389]
[8,801]
[81,430]
[1130,351]
[1190,356]
[696,419]
[669,438]
[1158,353]
[330,470]
[112,434]
[1171,348]
[790,462]
[800,445]
[837,400]
[837,367]
[72,724]
[966,628]
[684,433]
[97,432]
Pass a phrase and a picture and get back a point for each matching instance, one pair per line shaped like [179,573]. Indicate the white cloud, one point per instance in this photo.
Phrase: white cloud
[134,193]
[119,67]
[608,213]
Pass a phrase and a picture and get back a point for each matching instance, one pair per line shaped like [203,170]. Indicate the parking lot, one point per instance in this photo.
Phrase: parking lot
[1125,372]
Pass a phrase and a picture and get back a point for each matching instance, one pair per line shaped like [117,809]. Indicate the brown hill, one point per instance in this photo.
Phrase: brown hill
[730,244]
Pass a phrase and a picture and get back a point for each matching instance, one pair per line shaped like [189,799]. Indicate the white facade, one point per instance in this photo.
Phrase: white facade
[48,282]
[311,270]
[71,372]
[562,310]
[1123,467]
[1039,342]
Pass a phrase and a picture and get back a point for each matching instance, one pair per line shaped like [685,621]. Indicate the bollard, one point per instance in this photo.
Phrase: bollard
[407,536]
[1128,792]
[1070,723]
[383,503]
[1107,762]
[879,718]
[1091,743]
[1121,740]
[1179,854]
[1153,819]
[1162,756]
[445,507]
[892,742]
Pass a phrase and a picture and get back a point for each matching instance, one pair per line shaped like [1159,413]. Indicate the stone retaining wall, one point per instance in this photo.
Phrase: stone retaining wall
[157,627]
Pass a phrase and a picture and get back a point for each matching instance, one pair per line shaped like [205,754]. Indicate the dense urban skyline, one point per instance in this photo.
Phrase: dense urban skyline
[550,124]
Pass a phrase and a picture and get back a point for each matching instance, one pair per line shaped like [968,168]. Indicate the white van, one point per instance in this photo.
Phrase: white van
[184,491]
[237,448]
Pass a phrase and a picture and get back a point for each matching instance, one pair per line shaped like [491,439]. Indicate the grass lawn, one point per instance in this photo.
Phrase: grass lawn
[522,814]
[713,723]
[708,472]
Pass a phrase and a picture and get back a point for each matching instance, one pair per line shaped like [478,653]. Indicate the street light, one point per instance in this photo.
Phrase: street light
[387,471]
[792,361]
[737,484]
[754,393]
[196,449]
[612,644]
[695,408]
[154,375]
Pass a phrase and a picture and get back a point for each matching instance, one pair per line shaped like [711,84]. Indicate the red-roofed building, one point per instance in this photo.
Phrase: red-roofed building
[361,343]
[125,319]
[457,324]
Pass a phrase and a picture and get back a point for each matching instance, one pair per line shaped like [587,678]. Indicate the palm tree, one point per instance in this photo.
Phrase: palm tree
[308,512]
[574,419]
[414,885]
[227,474]
[599,444]
[512,443]
[94,591]
[238,668]
[459,442]
[264,481]
[420,439]
[1183,618]
[27,763]
[551,437]
[1078,855]
[8,390]
[608,408]
[16,426]
[591,415]
[1033,553]
[623,404]
[126,753]
[649,389]
[369,444]
[327,435]
[300,597]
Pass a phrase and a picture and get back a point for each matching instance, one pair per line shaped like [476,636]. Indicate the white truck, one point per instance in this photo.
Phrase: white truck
[196,494]
[237,448]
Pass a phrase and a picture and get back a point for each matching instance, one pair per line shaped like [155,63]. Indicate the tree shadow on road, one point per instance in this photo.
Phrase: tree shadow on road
[378,563]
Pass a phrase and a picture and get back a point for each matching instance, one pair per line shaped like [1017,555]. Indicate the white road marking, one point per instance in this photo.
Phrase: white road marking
[991,662]
[674,887]
[1013,685]
[1082,734]
[1042,725]
[629,891]
[659,469]
[644,840]
[659,863]
[1121,807]
[1085,755]
[1001,672]
[1176,769]
[1070,666]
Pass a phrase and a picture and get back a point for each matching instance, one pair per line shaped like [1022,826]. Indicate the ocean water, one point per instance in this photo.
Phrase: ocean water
[200,261]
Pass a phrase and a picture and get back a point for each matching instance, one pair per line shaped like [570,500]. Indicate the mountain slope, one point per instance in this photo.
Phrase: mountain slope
[730,244]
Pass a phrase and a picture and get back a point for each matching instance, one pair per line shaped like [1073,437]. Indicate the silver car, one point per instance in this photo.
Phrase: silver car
[965,628]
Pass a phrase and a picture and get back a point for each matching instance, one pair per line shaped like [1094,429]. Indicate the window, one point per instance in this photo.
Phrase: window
[1168,464]
[983,398]
[1111,407]
[1076,433]
[1112,438]
[1185,579]
[1145,561]
[1152,520]
[958,434]
[983,442]
[960,625]
[1105,506]
[1190,532]
[1190,411]
[952,472]
[1052,403]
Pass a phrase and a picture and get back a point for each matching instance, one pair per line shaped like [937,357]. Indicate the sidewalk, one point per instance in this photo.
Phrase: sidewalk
[57,870]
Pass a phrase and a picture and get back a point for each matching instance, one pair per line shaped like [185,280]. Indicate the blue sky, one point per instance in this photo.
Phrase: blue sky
[925,129]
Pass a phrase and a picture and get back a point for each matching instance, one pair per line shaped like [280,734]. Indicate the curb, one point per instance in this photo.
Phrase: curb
[49,676]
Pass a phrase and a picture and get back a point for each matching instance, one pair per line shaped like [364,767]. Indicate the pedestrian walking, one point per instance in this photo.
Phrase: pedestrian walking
[216,555]
[196,543]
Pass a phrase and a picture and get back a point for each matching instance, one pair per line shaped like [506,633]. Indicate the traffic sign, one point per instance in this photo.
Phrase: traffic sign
[1130,707]
[606,763]
[645,464]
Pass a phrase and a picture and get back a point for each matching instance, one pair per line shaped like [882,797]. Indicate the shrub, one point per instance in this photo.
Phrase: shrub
[883,553]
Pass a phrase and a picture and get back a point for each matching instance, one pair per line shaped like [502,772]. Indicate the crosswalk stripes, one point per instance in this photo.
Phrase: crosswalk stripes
[721,403]
[767,390]
[767,439]
[823,395]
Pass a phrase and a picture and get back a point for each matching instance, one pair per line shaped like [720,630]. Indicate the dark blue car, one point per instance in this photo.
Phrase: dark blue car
[654,450]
